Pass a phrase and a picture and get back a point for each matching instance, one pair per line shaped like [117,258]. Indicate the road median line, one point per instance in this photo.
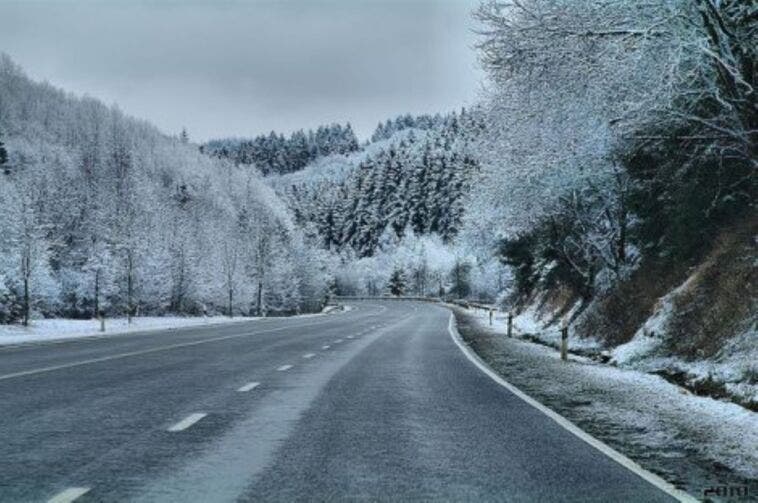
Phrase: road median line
[187,422]
[69,495]
[248,386]
[150,350]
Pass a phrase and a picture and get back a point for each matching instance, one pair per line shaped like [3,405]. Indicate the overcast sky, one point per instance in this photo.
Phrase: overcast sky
[239,68]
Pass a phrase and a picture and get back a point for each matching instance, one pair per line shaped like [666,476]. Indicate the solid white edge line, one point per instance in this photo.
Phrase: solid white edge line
[283,368]
[566,424]
[187,421]
[248,386]
[69,495]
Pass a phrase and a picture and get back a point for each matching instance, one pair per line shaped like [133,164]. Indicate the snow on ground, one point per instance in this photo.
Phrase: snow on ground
[650,335]
[694,442]
[735,366]
[531,321]
[58,328]
[54,329]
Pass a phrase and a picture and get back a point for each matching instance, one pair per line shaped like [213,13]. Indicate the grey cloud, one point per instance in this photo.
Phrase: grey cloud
[241,68]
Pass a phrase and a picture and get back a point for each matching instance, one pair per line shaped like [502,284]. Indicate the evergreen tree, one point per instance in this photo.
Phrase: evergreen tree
[4,158]
[274,153]
[397,282]
[460,279]
[420,179]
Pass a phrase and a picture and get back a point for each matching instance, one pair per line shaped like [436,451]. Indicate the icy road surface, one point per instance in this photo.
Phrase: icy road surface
[378,403]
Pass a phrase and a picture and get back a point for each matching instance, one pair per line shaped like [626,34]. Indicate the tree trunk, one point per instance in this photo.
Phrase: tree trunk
[129,287]
[260,299]
[97,293]
[25,266]
[180,291]
[621,245]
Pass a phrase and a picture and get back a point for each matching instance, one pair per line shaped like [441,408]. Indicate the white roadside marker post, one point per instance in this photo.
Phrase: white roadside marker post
[102,321]
[564,340]
[510,324]
[491,311]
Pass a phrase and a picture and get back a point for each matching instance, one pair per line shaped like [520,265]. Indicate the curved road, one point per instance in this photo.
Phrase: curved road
[377,403]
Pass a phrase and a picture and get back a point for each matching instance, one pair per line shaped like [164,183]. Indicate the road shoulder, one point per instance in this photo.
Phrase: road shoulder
[694,443]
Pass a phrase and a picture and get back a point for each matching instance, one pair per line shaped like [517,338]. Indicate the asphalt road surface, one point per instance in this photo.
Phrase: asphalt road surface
[377,403]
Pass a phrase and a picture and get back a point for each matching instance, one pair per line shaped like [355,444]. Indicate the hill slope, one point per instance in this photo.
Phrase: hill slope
[102,211]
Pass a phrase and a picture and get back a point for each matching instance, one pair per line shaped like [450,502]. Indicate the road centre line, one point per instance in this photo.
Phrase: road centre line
[249,386]
[148,351]
[69,495]
[187,421]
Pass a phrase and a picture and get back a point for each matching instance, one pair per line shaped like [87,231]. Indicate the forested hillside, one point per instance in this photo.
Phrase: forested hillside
[415,180]
[385,129]
[100,211]
[273,154]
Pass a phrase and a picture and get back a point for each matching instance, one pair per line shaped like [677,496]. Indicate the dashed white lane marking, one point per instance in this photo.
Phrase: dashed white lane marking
[249,386]
[338,341]
[284,367]
[69,495]
[349,336]
[309,355]
[325,346]
[564,423]
[148,351]
[188,421]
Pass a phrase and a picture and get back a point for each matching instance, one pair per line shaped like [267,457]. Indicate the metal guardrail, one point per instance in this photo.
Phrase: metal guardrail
[385,297]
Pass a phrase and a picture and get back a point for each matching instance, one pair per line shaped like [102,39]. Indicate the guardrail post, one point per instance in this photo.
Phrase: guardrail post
[564,340]
[510,324]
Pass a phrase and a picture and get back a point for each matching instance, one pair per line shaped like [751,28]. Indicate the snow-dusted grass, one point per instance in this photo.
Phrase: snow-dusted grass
[650,335]
[55,329]
[735,366]
[680,436]
[532,322]
[733,372]
[58,328]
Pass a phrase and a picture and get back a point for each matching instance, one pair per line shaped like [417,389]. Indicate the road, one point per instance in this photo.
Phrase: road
[375,403]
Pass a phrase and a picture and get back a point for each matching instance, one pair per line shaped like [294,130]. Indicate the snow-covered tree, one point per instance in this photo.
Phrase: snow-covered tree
[100,211]
[396,284]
